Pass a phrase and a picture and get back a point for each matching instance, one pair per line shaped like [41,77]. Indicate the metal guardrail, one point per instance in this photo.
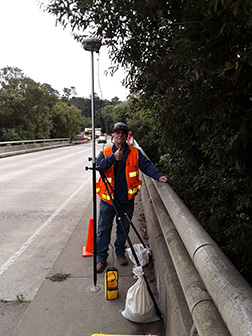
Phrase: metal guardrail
[6,143]
[23,146]
[219,299]
[229,291]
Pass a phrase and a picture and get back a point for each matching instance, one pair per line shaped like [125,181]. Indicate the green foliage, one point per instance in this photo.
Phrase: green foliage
[138,119]
[29,110]
[86,123]
[208,126]
[108,117]
[25,107]
[66,120]
[191,63]
[83,104]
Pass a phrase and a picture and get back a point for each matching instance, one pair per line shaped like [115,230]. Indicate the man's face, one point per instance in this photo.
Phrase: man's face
[120,137]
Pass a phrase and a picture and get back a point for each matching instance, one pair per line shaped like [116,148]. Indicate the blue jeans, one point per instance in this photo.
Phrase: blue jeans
[105,222]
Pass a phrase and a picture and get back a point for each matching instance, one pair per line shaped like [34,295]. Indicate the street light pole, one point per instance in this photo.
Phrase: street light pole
[93,45]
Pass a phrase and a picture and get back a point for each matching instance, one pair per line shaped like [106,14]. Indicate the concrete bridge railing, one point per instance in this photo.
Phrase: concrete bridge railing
[200,291]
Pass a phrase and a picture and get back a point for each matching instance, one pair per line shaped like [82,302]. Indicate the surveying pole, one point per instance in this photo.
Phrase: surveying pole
[93,45]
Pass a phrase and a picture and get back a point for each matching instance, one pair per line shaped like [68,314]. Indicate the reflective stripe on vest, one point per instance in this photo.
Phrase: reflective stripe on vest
[132,174]
[133,191]
[106,197]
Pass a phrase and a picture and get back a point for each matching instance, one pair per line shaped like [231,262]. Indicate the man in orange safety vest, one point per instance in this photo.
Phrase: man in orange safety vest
[120,163]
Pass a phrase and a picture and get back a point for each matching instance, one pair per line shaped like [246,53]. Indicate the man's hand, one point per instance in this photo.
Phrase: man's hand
[163,179]
[119,154]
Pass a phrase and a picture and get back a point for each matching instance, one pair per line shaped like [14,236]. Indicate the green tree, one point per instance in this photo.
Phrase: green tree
[134,113]
[66,120]
[108,118]
[29,110]
[83,104]
[109,114]
[25,106]
[86,123]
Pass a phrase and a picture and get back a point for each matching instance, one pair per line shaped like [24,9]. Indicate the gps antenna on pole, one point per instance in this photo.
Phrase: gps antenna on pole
[93,45]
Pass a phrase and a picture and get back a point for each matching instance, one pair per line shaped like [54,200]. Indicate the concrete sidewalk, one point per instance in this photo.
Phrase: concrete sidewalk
[70,308]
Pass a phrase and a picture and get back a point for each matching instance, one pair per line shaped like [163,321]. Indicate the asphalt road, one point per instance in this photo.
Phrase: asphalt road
[42,198]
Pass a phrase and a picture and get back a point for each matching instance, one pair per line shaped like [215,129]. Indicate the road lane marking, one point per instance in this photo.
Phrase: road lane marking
[15,256]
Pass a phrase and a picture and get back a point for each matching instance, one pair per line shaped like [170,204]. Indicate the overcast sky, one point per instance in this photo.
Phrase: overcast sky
[48,54]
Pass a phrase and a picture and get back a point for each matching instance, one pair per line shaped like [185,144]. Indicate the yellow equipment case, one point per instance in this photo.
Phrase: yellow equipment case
[111,283]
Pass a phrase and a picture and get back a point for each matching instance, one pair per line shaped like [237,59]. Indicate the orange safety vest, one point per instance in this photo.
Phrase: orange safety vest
[132,176]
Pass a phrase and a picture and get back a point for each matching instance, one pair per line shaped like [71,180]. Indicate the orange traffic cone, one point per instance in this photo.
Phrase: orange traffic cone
[89,248]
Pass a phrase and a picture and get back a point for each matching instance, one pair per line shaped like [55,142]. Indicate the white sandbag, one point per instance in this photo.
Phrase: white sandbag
[139,306]
[143,254]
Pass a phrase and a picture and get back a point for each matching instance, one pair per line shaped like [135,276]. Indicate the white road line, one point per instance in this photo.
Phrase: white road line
[12,259]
